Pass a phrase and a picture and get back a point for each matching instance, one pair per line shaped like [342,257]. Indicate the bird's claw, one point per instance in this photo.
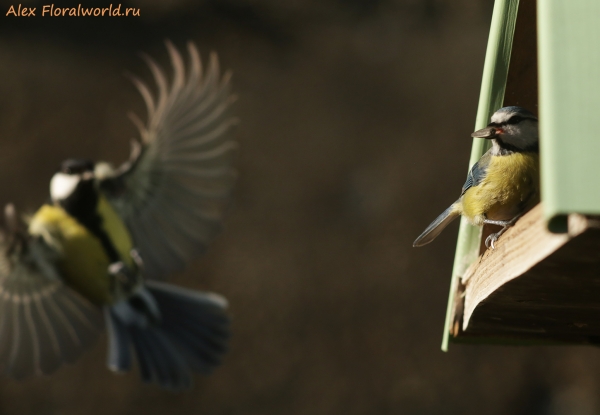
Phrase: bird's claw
[491,240]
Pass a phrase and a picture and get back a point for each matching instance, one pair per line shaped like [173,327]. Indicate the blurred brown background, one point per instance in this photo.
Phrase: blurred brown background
[355,128]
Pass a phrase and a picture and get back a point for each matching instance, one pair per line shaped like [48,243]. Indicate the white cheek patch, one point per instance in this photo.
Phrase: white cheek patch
[63,185]
[500,117]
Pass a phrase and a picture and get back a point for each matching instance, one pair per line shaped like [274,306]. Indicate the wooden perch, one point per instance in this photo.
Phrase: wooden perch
[535,286]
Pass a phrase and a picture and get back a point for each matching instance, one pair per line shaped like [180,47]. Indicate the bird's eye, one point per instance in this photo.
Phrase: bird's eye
[515,120]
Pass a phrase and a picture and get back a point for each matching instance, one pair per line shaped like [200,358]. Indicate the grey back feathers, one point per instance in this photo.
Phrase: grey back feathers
[174,192]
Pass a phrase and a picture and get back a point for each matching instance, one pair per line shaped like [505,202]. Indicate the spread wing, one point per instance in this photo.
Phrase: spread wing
[43,323]
[174,191]
[477,172]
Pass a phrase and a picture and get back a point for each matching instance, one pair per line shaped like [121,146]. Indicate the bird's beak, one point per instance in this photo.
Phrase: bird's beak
[487,132]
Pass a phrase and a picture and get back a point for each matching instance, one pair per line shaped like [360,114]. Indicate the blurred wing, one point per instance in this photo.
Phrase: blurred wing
[477,172]
[173,193]
[43,323]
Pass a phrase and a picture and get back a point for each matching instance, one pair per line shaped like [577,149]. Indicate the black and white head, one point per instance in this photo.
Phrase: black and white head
[512,129]
[67,180]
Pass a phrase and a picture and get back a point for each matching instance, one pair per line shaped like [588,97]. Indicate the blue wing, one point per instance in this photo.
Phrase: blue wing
[475,176]
[477,172]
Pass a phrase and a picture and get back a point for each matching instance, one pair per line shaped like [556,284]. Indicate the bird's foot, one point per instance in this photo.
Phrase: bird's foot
[491,240]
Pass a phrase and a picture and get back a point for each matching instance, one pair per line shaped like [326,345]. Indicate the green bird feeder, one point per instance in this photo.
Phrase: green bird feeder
[541,285]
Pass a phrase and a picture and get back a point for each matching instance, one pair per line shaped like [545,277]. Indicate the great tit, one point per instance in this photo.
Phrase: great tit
[504,183]
[96,252]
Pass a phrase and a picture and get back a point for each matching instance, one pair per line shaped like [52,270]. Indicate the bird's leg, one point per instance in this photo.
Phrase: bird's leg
[122,273]
[123,277]
[490,240]
[135,255]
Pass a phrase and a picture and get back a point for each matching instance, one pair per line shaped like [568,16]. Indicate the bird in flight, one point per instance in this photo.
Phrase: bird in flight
[97,254]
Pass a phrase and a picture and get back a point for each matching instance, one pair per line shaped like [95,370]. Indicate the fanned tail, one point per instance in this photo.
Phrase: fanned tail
[174,332]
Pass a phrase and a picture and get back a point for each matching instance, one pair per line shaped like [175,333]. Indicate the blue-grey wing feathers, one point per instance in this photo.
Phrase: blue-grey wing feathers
[43,323]
[477,172]
[174,191]
[474,177]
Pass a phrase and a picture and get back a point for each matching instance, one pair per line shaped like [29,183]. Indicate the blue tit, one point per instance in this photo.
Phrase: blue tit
[95,255]
[504,183]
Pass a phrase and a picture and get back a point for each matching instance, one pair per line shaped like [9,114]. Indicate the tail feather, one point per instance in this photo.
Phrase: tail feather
[215,340]
[215,331]
[144,359]
[202,354]
[198,360]
[160,361]
[205,317]
[195,322]
[119,348]
[437,226]
[189,334]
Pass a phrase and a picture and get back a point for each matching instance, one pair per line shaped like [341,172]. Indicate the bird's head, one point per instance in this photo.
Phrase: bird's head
[512,128]
[71,173]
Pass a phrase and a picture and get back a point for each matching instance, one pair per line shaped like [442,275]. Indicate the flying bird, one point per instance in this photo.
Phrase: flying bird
[97,253]
[504,183]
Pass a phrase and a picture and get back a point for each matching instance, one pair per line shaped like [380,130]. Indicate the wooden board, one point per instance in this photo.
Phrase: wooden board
[535,286]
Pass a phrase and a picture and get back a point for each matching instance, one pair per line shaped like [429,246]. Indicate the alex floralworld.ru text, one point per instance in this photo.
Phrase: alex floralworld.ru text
[49,10]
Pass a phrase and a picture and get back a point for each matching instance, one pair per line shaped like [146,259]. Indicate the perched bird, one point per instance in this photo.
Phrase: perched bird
[96,252]
[504,183]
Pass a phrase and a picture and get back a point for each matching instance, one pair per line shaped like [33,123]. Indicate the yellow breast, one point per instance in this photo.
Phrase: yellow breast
[511,186]
[84,264]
